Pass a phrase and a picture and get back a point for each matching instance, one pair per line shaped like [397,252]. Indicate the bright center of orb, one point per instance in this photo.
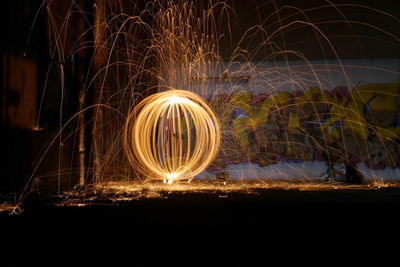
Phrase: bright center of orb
[171,177]
[171,136]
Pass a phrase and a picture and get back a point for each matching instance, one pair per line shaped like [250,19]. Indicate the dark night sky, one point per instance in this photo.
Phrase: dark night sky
[18,16]
[351,40]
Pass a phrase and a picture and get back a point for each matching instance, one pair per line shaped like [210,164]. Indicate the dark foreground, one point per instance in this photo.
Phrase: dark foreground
[317,227]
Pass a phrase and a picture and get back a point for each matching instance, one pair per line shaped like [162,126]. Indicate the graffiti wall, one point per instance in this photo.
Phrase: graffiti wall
[335,113]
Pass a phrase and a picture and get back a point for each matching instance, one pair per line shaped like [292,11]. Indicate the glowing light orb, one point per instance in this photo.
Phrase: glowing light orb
[171,136]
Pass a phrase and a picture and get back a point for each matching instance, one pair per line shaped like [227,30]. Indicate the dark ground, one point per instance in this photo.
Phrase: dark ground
[319,228]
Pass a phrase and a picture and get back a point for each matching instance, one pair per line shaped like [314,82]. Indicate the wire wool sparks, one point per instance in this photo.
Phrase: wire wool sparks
[171,136]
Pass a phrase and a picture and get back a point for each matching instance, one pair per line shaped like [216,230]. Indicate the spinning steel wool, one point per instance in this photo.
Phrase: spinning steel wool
[172,135]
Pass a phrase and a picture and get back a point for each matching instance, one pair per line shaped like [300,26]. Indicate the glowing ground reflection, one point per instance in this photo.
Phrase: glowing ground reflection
[113,193]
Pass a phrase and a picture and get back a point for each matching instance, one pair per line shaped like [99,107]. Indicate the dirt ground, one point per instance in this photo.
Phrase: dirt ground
[273,224]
